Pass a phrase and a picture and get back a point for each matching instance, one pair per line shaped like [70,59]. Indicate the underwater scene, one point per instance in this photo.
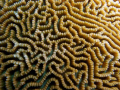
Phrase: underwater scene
[59,44]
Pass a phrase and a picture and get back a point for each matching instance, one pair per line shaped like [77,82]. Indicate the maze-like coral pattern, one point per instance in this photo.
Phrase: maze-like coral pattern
[59,45]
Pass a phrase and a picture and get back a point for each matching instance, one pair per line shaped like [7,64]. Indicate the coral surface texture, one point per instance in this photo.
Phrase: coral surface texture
[59,44]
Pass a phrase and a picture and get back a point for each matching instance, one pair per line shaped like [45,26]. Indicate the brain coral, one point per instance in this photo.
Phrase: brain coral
[59,45]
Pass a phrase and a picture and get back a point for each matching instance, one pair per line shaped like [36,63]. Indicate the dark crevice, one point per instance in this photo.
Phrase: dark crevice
[6,67]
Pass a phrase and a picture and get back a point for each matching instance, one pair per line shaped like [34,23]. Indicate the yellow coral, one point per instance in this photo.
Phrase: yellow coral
[59,44]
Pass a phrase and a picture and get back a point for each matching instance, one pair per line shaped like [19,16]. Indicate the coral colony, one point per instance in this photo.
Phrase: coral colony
[59,45]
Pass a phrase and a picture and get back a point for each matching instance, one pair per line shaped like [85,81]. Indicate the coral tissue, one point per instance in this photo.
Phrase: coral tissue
[59,45]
